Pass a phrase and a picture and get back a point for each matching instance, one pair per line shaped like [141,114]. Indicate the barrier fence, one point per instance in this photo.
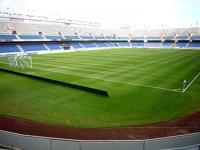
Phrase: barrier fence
[28,142]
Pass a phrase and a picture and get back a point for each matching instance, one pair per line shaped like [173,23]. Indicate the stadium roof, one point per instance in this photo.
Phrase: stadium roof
[143,13]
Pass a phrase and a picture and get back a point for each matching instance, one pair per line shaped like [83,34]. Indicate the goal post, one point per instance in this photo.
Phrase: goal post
[20,61]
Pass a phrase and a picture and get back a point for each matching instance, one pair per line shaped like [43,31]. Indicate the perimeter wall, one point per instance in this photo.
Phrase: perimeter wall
[28,142]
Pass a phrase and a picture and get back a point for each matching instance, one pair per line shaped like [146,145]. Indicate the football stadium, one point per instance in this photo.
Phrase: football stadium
[69,84]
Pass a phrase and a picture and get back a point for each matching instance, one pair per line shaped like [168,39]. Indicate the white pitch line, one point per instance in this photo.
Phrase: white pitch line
[191,82]
[115,81]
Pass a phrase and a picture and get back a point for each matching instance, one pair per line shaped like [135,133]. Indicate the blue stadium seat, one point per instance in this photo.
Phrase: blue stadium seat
[76,45]
[123,44]
[138,38]
[30,37]
[195,37]
[7,37]
[54,37]
[54,46]
[72,37]
[9,48]
[153,44]
[194,44]
[102,44]
[100,37]
[181,44]
[85,37]
[123,37]
[112,44]
[110,37]
[153,38]
[182,37]
[137,44]
[169,37]
[167,44]
[33,47]
[88,45]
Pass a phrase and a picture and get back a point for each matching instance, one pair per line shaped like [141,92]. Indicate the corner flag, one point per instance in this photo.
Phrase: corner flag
[184,81]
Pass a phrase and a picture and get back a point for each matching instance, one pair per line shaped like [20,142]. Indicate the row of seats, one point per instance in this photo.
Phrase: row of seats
[66,29]
[75,37]
[8,48]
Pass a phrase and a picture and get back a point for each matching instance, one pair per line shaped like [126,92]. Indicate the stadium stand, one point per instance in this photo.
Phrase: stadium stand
[33,47]
[138,38]
[12,32]
[195,37]
[137,44]
[100,37]
[167,44]
[71,37]
[10,48]
[168,37]
[181,44]
[7,37]
[154,38]
[123,38]
[102,44]
[153,44]
[54,46]
[76,45]
[182,37]
[123,44]
[85,37]
[54,37]
[88,44]
[37,37]
[194,44]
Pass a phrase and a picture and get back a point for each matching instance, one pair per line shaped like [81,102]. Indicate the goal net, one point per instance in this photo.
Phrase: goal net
[20,61]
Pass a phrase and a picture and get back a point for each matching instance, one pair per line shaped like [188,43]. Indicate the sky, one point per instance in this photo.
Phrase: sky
[137,13]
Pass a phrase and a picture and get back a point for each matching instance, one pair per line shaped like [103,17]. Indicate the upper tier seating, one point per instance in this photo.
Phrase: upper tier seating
[182,37]
[30,37]
[100,37]
[85,37]
[123,38]
[7,37]
[111,37]
[4,27]
[137,38]
[168,37]
[195,37]
[54,37]
[71,37]
[153,37]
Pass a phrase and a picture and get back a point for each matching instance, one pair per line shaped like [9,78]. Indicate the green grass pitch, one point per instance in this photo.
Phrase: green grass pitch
[143,84]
